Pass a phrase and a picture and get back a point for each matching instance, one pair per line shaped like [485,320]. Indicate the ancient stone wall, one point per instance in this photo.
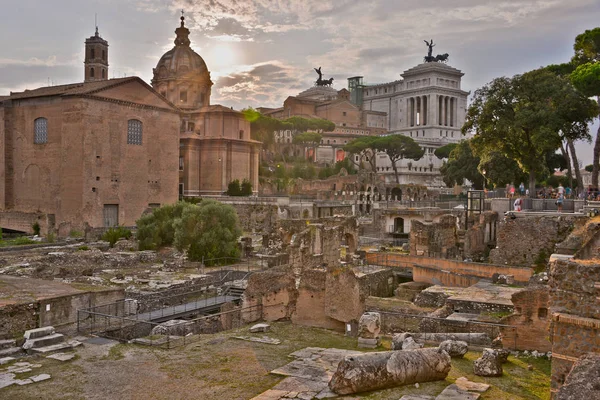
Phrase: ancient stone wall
[257,217]
[17,318]
[437,240]
[531,319]
[531,240]
[575,309]
[480,235]
[310,305]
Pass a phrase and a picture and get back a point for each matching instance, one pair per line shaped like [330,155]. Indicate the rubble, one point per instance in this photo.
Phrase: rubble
[489,364]
[454,348]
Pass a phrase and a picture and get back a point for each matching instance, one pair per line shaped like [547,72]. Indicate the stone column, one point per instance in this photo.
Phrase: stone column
[424,110]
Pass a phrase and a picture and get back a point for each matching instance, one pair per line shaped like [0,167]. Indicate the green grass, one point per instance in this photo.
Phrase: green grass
[19,241]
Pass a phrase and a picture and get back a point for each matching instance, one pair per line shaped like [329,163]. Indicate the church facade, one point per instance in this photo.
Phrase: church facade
[102,152]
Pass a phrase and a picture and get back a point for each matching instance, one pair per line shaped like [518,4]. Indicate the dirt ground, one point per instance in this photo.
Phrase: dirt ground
[218,367]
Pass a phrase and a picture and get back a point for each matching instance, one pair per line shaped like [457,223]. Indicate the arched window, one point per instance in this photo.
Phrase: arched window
[91,72]
[40,131]
[103,73]
[92,53]
[134,132]
[104,55]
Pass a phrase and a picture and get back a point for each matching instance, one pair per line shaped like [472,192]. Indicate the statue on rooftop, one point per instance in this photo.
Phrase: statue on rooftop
[321,81]
[430,58]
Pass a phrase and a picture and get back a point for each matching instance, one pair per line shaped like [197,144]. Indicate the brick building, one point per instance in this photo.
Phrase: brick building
[215,141]
[101,152]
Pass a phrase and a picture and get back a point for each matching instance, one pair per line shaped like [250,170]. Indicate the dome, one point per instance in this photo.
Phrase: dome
[181,75]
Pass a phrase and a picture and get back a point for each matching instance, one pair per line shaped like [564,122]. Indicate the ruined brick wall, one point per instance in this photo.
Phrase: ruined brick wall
[310,305]
[275,291]
[436,239]
[575,327]
[531,319]
[480,235]
[17,318]
[256,217]
[531,240]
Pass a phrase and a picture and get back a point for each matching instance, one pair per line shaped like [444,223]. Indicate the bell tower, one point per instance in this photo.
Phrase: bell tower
[96,58]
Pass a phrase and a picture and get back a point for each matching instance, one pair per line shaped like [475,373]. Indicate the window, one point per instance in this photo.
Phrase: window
[91,72]
[344,113]
[92,53]
[40,131]
[103,73]
[183,96]
[104,55]
[134,132]
[241,133]
[180,163]
[542,313]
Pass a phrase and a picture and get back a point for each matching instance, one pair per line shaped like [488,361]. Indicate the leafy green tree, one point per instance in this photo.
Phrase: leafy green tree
[397,147]
[208,231]
[521,117]
[500,170]
[263,128]
[589,168]
[308,139]
[444,151]
[363,147]
[157,229]
[462,164]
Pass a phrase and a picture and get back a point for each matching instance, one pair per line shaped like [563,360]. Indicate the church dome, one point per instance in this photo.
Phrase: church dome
[181,72]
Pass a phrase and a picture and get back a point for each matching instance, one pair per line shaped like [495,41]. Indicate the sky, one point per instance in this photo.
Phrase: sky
[261,51]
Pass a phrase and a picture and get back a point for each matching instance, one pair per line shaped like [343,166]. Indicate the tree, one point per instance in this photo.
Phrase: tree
[500,170]
[521,118]
[263,128]
[308,139]
[157,229]
[363,147]
[397,147]
[246,188]
[208,231]
[586,78]
[462,164]
[444,151]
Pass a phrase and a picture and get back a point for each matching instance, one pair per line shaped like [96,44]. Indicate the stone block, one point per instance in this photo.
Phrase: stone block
[465,384]
[398,339]
[455,348]
[369,325]
[39,332]
[260,328]
[62,356]
[410,344]
[40,377]
[489,364]
[6,360]
[43,341]
[365,343]
[453,392]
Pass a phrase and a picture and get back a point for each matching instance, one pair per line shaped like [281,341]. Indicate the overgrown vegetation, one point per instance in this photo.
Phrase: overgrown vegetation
[236,189]
[112,235]
[36,228]
[206,231]
[18,241]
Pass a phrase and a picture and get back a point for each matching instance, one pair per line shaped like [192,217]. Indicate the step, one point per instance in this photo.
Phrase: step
[39,332]
[5,344]
[10,351]
[71,344]
[44,341]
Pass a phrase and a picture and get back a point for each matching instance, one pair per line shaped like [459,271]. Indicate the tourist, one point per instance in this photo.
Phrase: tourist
[518,203]
[559,201]
[522,188]
[561,190]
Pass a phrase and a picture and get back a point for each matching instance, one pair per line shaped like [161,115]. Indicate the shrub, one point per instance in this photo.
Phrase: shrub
[246,189]
[36,228]
[112,235]
[50,237]
[83,248]
[75,234]
[156,230]
[234,189]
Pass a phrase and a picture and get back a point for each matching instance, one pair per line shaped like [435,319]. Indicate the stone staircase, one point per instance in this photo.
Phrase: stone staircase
[45,340]
[9,348]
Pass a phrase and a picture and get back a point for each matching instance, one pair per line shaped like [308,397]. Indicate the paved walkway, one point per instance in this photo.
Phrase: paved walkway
[194,306]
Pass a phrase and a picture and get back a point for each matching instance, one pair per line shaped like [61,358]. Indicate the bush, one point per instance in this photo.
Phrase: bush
[75,234]
[50,237]
[156,230]
[206,231]
[246,188]
[83,248]
[112,235]
[36,228]
[234,189]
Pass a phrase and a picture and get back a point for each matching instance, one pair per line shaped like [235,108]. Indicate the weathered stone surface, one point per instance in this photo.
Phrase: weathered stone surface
[260,328]
[453,392]
[264,339]
[502,355]
[583,382]
[465,384]
[489,364]
[410,344]
[62,356]
[398,339]
[39,332]
[364,343]
[174,327]
[40,377]
[6,360]
[455,348]
[416,397]
[381,370]
[369,325]
[477,339]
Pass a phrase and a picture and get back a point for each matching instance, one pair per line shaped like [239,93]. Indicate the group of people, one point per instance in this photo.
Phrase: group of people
[559,194]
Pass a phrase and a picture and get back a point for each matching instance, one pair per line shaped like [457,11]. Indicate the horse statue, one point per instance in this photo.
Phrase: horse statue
[327,82]
[442,57]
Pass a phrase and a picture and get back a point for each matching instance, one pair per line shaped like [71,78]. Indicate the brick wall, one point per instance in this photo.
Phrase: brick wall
[575,308]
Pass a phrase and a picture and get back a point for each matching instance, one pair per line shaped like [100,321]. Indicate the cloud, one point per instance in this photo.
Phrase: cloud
[51,61]
[265,84]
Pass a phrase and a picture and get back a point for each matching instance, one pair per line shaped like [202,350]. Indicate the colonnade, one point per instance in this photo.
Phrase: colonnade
[419,109]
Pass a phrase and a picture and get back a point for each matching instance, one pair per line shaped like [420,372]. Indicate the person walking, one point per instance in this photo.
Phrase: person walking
[518,203]
[559,201]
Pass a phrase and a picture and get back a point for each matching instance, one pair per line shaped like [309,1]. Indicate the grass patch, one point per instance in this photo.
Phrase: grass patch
[83,248]
[19,241]
[116,352]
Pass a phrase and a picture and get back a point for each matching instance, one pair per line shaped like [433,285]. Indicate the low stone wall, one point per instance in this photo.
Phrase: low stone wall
[455,273]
